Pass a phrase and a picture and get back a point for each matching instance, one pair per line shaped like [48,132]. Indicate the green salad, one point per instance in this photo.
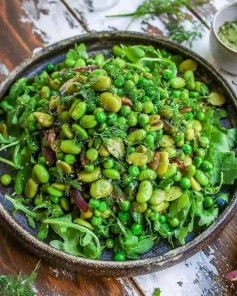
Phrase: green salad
[117,153]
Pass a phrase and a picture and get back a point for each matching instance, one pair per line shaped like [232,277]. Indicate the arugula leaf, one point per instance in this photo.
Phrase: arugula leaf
[72,234]
[208,216]
[16,90]
[232,137]
[157,292]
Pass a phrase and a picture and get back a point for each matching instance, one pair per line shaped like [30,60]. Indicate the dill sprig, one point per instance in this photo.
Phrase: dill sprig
[22,286]
[174,8]
[67,179]
[115,131]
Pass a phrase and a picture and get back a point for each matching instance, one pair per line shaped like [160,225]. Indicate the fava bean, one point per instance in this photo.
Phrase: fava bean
[173,193]
[163,163]
[88,121]
[31,188]
[195,185]
[137,159]
[65,167]
[166,141]
[171,171]
[73,106]
[64,203]
[144,192]
[136,137]
[160,207]
[158,196]
[70,147]
[80,132]
[110,102]
[177,82]
[40,173]
[201,178]
[54,192]
[83,223]
[44,119]
[103,83]
[67,131]
[101,188]
[188,65]
[147,174]
[90,177]
[111,174]
[138,207]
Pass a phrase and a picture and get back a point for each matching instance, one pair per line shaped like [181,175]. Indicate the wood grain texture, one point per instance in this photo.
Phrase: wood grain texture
[54,282]
[26,25]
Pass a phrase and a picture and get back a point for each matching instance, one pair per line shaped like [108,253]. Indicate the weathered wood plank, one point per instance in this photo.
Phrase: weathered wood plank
[203,274]
[57,282]
[28,25]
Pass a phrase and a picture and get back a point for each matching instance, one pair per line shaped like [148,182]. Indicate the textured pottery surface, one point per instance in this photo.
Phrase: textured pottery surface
[161,256]
[225,56]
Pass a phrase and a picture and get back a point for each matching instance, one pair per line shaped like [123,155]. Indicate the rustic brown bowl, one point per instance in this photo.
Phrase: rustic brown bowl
[161,256]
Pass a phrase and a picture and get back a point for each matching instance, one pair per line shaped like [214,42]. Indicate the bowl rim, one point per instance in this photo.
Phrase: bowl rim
[219,11]
[162,261]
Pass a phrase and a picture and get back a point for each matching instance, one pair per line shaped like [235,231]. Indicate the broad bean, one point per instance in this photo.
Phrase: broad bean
[101,188]
[110,102]
[40,173]
[70,147]
[147,174]
[89,177]
[144,192]
[31,188]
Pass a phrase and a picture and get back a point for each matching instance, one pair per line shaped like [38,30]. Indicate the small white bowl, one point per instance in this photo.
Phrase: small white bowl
[225,56]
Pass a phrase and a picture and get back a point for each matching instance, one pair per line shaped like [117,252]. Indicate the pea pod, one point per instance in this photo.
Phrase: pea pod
[101,188]
[144,192]
[41,174]
[111,174]
[70,147]
[147,174]
[90,177]
[80,132]
[136,137]
[31,188]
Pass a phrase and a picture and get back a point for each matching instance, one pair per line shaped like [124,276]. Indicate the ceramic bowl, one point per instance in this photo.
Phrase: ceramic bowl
[162,255]
[225,56]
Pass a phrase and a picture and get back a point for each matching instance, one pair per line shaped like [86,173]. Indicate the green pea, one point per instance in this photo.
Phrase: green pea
[38,200]
[6,179]
[174,222]
[109,243]
[201,178]
[89,168]
[204,142]
[177,82]
[144,192]
[70,159]
[88,121]
[31,188]
[124,216]
[103,83]
[125,205]
[109,163]
[132,119]
[200,153]
[148,107]
[70,147]
[138,107]
[200,115]
[90,177]
[80,132]
[70,63]
[92,154]
[143,119]
[190,171]
[171,171]
[136,229]
[67,131]
[120,257]
[136,137]
[110,102]
[101,188]
[41,173]
[54,192]
[111,174]
[147,174]
[177,176]
[64,203]
[207,166]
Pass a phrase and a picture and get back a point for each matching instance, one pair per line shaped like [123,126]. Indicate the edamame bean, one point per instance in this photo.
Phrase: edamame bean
[54,192]
[64,203]
[92,154]
[101,188]
[40,172]
[90,177]
[144,192]
[137,159]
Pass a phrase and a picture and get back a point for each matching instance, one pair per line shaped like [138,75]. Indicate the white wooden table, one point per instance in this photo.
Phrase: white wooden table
[27,26]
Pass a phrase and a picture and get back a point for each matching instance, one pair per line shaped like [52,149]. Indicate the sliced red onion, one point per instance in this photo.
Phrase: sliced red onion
[64,87]
[87,68]
[51,137]
[49,155]
[79,200]
[232,276]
